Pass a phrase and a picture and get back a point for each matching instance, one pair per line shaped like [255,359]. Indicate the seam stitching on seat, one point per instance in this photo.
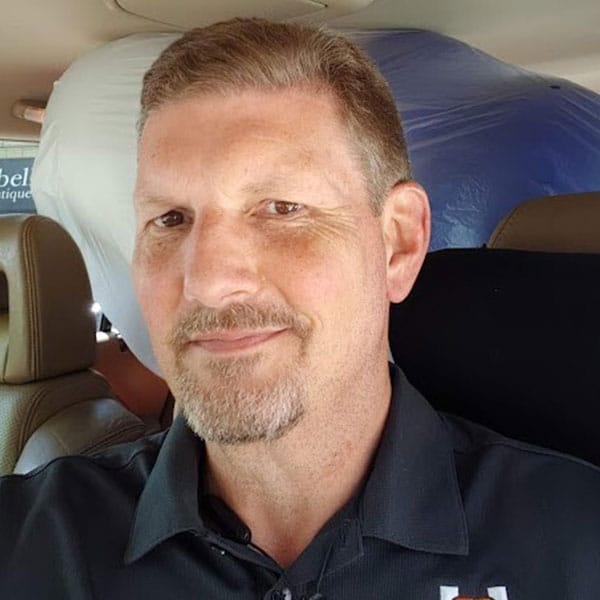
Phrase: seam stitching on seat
[30,282]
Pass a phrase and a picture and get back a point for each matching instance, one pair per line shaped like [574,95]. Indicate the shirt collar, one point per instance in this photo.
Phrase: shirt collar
[168,504]
[412,497]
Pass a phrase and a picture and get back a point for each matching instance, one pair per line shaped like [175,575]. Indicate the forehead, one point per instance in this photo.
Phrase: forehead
[284,131]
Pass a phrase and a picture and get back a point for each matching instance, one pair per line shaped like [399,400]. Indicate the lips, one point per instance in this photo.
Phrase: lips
[232,341]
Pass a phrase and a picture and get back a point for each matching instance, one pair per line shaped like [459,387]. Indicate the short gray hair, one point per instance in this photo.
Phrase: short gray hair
[258,54]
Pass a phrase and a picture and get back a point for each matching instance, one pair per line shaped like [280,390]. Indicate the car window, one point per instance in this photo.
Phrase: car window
[16,162]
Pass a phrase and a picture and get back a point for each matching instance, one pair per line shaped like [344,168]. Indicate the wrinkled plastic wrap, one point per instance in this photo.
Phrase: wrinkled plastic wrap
[483,137]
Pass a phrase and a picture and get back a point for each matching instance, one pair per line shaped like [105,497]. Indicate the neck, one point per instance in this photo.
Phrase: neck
[286,490]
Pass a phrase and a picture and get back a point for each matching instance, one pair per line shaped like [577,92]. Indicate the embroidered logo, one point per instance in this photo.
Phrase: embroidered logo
[449,592]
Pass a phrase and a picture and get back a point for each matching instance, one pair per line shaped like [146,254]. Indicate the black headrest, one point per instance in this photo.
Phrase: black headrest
[509,339]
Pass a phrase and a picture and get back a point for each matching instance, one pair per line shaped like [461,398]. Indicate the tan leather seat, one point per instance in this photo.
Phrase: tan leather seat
[51,402]
[566,223]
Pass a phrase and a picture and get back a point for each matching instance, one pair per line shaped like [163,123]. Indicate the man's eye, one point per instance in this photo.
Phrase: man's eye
[282,208]
[170,219]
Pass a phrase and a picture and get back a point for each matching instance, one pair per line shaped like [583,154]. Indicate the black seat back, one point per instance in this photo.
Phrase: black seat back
[509,339]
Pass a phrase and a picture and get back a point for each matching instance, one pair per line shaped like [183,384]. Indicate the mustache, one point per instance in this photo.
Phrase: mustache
[203,320]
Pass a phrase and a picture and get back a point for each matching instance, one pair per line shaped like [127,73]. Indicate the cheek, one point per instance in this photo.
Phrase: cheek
[327,278]
[156,289]
[300,265]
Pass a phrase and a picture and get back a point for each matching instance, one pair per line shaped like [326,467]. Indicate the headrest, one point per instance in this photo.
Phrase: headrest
[509,339]
[47,327]
[566,223]
[84,171]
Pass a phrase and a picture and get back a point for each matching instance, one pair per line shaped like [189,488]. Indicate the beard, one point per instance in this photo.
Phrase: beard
[223,400]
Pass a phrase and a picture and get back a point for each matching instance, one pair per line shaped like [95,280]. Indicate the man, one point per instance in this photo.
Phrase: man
[276,221]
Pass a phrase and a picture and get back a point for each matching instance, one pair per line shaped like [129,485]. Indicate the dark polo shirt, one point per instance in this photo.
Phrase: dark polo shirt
[448,509]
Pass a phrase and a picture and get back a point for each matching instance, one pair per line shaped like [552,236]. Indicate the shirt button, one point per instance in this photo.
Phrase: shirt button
[218,549]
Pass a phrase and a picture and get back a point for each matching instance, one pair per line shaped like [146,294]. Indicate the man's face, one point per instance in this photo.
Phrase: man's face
[259,266]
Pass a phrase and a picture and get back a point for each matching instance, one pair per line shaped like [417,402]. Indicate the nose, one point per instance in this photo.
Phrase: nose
[220,262]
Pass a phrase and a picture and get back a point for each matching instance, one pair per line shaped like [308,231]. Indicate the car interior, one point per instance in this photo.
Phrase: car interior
[507,335]
[501,327]
[53,402]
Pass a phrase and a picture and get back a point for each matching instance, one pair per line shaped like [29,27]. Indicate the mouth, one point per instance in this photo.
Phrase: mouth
[226,342]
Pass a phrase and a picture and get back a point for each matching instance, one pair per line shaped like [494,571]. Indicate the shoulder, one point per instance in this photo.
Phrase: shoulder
[472,440]
[73,510]
[530,483]
[77,479]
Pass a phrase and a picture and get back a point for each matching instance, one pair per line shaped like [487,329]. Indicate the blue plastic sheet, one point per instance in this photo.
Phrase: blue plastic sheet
[484,135]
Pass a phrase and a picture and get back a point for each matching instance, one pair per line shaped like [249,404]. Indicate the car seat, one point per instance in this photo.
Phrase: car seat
[51,402]
[509,339]
[565,223]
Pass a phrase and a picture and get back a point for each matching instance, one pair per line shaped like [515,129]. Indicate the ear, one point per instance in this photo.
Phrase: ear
[406,225]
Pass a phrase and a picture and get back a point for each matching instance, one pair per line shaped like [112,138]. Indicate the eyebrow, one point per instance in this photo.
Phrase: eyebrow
[287,175]
[268,184]
[152,200]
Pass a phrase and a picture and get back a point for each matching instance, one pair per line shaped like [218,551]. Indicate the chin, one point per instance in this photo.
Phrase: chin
[235,410]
